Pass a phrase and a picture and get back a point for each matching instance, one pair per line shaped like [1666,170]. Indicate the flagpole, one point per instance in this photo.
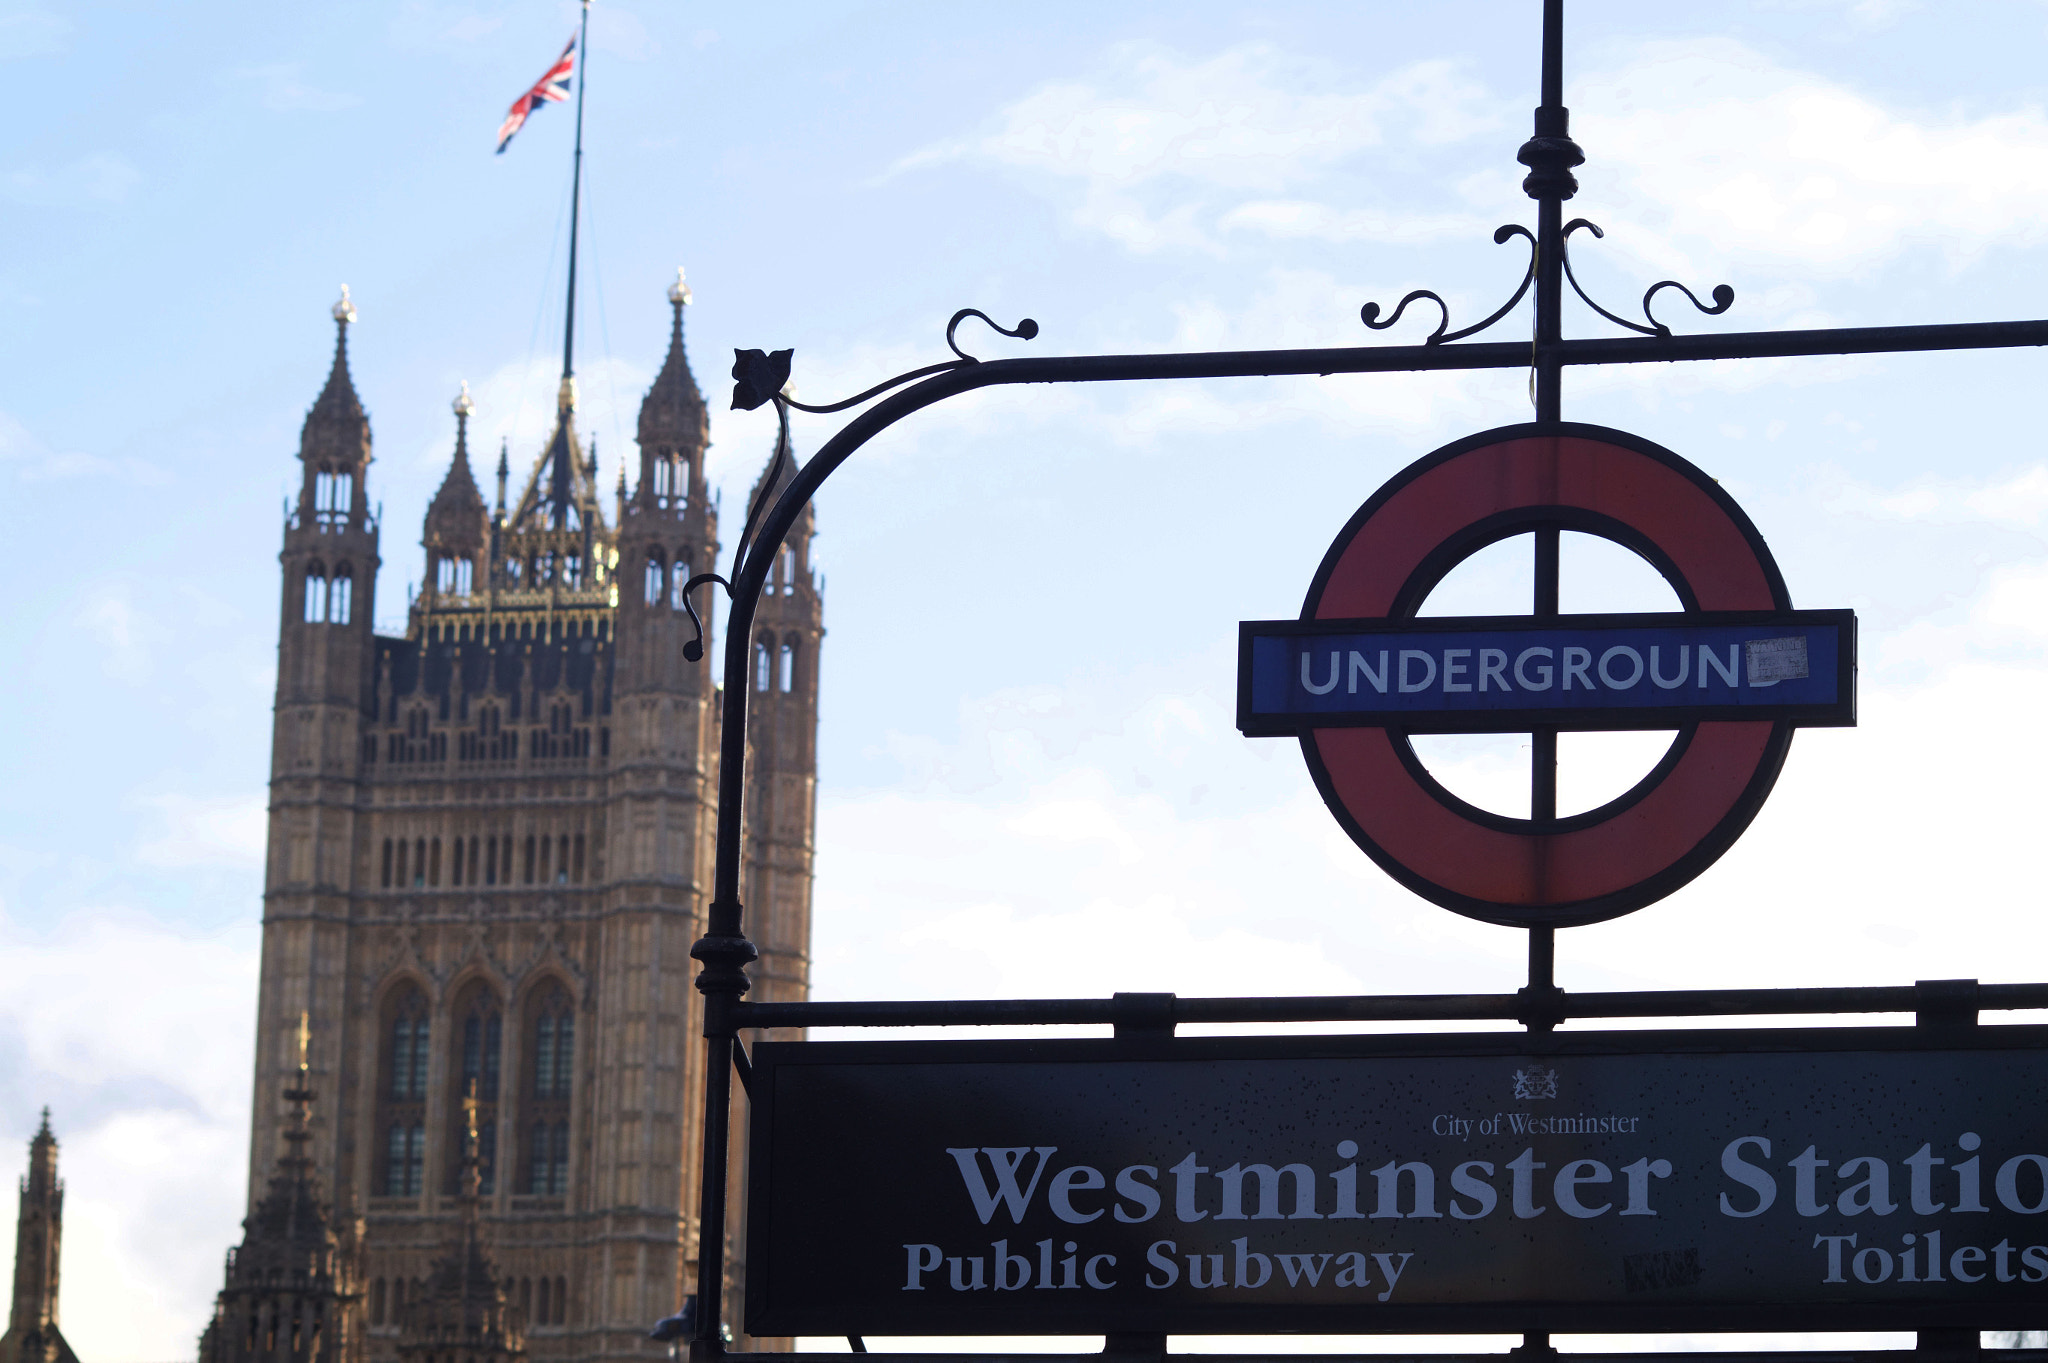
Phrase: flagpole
[568,398]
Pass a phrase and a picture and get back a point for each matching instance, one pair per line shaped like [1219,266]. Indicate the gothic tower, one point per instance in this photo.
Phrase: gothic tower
[782,753]
[291,1285]
[32,1334]
[490,853]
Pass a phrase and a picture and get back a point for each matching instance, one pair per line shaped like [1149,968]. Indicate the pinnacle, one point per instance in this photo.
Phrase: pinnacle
[673,411]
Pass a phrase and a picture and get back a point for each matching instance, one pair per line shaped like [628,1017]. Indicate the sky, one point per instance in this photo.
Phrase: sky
[1032,595]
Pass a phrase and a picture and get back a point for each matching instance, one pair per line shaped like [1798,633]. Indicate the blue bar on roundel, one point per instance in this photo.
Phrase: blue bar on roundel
[1497,674]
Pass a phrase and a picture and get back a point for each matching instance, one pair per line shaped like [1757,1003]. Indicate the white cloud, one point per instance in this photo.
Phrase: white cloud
[98,180]
[137,1037]
[1160,146]
[127,635]
[282,88]
[204,831]
[32,31]
[30,456]
[1712,149]
[424,24]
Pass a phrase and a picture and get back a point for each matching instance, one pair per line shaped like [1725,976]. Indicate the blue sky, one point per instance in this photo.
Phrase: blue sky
[1032,595]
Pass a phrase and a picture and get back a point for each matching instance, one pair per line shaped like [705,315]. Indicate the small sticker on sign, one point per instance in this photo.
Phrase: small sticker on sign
[1775,660]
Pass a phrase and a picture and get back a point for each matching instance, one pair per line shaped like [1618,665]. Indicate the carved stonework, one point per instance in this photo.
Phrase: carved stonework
[503,856]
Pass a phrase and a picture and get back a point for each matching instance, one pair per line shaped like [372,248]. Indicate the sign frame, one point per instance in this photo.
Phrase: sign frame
[767,1314]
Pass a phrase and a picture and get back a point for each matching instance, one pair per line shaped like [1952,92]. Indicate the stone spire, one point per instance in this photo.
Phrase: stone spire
[32,1334]
[336,426]
[291,1293]
[456,520]
[672,414]
[463,1312]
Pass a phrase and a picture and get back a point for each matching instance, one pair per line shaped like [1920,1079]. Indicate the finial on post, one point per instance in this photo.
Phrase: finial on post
[679,292]
[344,311]
[565,396]
[462,405]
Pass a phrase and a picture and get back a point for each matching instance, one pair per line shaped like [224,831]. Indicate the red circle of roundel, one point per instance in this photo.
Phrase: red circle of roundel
[1683,815]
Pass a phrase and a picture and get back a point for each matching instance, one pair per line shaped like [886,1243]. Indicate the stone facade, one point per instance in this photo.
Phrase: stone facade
[490,852]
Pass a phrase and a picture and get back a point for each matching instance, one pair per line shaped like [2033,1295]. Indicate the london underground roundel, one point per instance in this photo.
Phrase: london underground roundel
[1734,672]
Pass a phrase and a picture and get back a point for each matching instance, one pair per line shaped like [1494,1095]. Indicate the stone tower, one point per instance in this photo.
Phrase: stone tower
[32,1334]
[490,853]
[291,1289]
[782,757]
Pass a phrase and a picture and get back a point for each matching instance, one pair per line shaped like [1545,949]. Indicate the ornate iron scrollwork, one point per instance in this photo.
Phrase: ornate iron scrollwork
[1369,314]
[1723,296]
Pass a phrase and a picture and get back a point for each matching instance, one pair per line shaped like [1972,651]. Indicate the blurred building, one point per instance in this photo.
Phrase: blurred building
[489,855]
[32,1334]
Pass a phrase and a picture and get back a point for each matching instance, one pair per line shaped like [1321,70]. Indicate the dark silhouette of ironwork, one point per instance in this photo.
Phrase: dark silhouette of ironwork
[724,951]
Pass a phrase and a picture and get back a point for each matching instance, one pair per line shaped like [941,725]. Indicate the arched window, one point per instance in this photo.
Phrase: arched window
[387,864]
[551,1073]
[454,576]
[764,662]
[679,581]
[419,863]
[787,570]
[657,580]
[333,494]
[788,668]
[316,594]
[377,1302]
[402,1095]
[338,594]
[480,1042]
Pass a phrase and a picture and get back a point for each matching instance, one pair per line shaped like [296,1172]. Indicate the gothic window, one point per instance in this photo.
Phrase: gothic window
[472,860]
[579,859]
[419,863]
[479,1030]
[562,860]
[547,845]
[377,1302]
[786,570]
[512,573]
[454,576]
[545,573]
[402,1095]
[656,578]
[764,662]
[679,581]
[529,858]
[316,594]
[788,668]
[386,882]
[541,1316]
[550,1081]
[338,593]
[572,570]
[402,846]
[333,491]
[490,861]
[454,861]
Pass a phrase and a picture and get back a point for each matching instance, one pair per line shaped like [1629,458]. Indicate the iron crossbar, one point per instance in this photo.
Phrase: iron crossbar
[1921,1354]
[1163,1011]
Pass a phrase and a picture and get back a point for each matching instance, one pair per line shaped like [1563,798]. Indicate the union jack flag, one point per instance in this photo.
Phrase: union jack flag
[552,88]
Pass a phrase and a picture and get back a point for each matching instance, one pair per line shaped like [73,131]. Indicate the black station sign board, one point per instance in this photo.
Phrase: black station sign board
[1822,1179]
